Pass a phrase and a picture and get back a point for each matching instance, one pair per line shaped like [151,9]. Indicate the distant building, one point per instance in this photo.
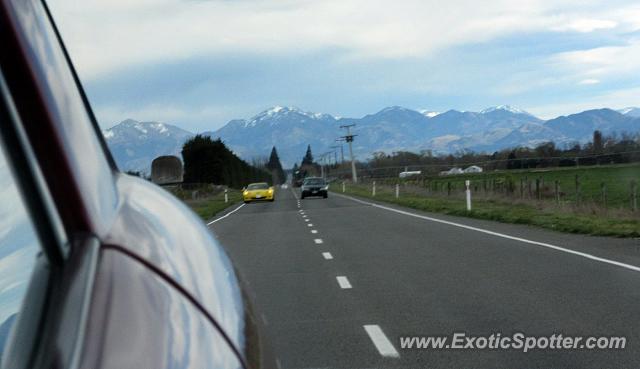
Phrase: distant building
[410,173]
[166,169]
[473,169]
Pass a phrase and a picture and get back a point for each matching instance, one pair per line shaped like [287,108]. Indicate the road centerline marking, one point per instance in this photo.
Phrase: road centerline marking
[314,231]
[327,255]
[502,235]
[309,225]
[380,341]
[343,282]
[318,240]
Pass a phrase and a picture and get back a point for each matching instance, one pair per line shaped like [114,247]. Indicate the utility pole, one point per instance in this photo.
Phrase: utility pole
[349,138]
[341,149]
[335,152]
[323,162]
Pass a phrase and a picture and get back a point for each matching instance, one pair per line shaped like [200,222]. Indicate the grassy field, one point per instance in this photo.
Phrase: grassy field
[209,206]
[566,218]
[616,179]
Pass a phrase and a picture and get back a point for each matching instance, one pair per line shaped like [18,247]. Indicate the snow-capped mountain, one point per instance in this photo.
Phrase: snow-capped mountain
[506,108]
[580,127]
[428,113]
[630,111]
[136,144]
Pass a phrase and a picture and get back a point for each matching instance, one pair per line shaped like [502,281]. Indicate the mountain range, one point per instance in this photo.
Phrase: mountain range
[135,144]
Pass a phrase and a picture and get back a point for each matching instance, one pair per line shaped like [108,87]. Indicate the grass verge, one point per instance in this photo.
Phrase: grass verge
[208,207]
[541,215]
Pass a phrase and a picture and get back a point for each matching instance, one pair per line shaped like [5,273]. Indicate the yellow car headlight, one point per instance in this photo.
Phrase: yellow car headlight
[245,193]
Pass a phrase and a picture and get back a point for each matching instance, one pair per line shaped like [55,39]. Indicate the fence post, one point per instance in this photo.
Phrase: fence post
[468,184]
[557,192]
[603,191]
[577,190]
[226,196]
[343,187]
[634,196]
[397,190]
[521,188]
[373,189]
[448,188]
[538,189]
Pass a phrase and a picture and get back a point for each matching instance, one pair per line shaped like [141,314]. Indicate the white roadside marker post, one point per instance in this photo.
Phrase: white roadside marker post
[373,190]
[343,187]
[226,196]
[397,190]
[468,185]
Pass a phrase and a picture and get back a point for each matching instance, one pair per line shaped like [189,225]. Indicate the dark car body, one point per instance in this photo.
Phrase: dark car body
[127,276]
[314,186]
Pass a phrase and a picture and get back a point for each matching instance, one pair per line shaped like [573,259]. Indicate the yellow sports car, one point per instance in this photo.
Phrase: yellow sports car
[258,191]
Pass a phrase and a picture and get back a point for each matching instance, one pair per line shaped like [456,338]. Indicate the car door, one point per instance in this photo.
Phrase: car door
[91,301]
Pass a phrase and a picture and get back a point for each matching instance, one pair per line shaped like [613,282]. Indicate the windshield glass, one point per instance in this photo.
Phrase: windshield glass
[258,186]
[314,181]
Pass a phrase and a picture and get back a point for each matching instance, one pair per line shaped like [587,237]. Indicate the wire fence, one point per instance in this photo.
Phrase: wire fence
[583,194]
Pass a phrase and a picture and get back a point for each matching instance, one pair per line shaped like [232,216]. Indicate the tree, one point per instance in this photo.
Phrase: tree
[210,161]
[513,163]
[597,142]
[274,165]
[308,157]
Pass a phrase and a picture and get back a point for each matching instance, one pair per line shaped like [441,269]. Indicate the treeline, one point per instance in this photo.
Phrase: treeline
[308,167]
[601,150]
[210,161]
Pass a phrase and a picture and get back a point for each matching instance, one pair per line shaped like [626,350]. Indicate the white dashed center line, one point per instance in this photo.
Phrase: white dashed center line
[380,340]
[306,220]
[343,282]
[318,240]
[314,231]
[309,225]
[327,255]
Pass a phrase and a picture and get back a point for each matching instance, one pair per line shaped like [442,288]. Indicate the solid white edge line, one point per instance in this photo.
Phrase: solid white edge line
[343,282]
[317,240]
[547,245]
[327,255]
[380,340]
[226,215]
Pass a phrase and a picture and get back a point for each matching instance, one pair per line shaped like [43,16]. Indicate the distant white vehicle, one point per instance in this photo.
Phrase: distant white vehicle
[452,171]
[284,186]
[410,174]
[473,169]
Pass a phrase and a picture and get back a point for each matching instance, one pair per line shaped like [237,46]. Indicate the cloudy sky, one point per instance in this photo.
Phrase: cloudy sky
[198,63]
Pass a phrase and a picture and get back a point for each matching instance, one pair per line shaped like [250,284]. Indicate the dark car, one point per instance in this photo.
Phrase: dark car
[98,269]
[314,186]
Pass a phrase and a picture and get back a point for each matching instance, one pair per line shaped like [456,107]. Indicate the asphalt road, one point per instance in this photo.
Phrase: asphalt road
[337,282]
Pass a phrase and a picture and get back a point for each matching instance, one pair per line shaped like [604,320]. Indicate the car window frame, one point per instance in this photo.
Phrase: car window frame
[25,337]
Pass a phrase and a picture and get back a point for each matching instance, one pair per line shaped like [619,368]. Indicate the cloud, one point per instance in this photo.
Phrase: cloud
[614,99]
[198,64]
[595,63]
[105,36]
[589,81]
[586,25]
